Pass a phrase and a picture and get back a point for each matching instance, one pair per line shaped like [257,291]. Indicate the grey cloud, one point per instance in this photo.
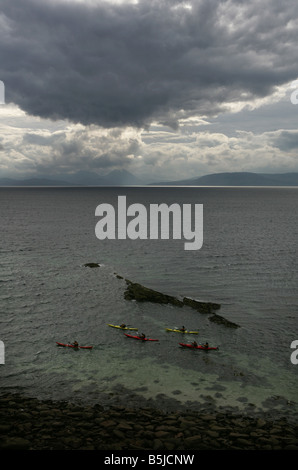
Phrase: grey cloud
[82,148]
[286,140]
[131,64]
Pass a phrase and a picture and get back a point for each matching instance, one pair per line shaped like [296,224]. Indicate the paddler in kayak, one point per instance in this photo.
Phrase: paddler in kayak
[75,344]
[194,343]
[206,345]
[182,328]
[142,336]
[122,325]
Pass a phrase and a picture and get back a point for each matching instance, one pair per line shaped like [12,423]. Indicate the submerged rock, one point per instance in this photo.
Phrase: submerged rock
[92,265]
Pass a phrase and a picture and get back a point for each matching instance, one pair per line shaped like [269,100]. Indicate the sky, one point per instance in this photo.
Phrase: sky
[165,89]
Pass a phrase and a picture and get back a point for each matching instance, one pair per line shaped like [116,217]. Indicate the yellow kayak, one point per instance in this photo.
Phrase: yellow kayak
[122,327]
[182,331]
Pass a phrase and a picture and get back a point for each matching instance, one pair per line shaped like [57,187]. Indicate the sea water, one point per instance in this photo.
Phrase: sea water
[247,263]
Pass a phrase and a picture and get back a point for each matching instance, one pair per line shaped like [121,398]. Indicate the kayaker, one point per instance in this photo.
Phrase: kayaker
[194,343]
[75,344]
[206,345]
[122,325]
[142,336]
[182,328]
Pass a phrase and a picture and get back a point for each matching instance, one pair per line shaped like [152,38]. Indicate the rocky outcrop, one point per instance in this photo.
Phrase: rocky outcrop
[202,307]
[135,291]
[138,292]
[222,321]
[92,265]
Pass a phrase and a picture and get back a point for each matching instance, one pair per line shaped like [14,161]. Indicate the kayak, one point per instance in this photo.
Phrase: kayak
[182,331]
[72,346]
[138,337]
[191,346]
[122,327]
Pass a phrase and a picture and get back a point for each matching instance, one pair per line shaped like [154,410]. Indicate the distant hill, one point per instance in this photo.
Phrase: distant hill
[89,178]
[32,182]
[124,178]
[237,179]
[80,178]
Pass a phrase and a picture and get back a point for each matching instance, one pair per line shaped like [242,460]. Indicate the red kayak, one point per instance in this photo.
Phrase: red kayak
[138,337]
[195,347]
[72,346]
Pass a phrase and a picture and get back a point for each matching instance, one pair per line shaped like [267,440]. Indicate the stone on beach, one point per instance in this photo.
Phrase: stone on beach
[30,424]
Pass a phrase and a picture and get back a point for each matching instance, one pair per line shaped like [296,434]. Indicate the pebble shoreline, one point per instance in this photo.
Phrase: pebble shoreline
[30,424]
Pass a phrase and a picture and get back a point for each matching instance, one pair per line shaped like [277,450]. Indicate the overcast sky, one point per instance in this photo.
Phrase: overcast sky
[165,89]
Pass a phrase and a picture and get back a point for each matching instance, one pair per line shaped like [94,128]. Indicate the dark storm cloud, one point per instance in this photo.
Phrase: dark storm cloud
[130,64]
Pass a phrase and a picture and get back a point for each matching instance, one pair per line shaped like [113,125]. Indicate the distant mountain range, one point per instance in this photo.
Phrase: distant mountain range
[80,178]
[124,178]
[238,179]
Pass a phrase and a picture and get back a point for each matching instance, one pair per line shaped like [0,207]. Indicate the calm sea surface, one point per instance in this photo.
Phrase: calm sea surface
[248,264]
